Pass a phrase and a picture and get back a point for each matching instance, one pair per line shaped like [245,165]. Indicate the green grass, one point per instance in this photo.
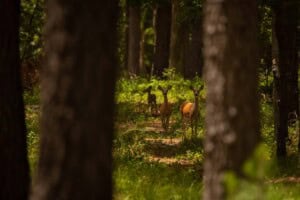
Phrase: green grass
[139,180]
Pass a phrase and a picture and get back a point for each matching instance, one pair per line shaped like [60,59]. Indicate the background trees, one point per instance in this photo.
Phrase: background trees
[14,170]
[77,101]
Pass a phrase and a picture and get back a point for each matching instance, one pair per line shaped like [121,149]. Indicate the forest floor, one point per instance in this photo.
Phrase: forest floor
[152,164]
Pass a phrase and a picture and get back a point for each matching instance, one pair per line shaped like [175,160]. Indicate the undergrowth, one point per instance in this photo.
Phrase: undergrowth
[140,148]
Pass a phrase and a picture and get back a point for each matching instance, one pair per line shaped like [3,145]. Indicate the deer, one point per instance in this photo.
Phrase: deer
[151,98]
[165,108]
[190,111]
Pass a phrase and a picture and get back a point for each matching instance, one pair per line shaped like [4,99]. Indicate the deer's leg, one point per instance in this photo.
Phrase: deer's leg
[167,123]
[183,126]
[192,126]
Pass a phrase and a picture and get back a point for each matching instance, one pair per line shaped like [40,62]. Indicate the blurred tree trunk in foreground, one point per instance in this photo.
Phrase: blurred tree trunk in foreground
[14,169]
[77,101]
[231,62]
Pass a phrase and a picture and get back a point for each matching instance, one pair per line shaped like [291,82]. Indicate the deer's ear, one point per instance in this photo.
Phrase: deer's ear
[169,87]
[150,87]
[159,87]
[201,87]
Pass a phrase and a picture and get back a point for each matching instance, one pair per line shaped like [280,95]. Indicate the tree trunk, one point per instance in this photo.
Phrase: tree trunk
[179,38]
[231,62]
[279,98]
[286,31]
[134,39]
[194,57]
[77,101]
[146,50]
[162,39]
[286,77]
[14,169]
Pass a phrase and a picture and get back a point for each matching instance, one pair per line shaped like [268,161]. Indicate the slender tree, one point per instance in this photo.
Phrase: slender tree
[134,37]
[231,62]
[146,50]
[77,101]
[179,37]
[162,28]
[286,28]
[285,69]
[279,99]
[14,170]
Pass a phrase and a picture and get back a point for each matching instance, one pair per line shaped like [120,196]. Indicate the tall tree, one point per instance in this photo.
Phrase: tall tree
[279,99]
[77,101]
[286,32]
[285,68]
[146,50]
[231,62]
[134,37]
[194,58]
[162,28]
[14,169]
[179,37]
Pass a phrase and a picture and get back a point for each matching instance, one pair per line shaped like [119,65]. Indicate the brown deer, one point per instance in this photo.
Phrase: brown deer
[165,108]
[151,98]
[190,111]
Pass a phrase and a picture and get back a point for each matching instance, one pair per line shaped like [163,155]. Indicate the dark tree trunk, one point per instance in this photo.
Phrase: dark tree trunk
[286,69]
[77,101]
[134,39]
[126,36]
[231,62]
[179,38]
[286,32]
[162,38]
[279,98]
[14,169]
[194,55]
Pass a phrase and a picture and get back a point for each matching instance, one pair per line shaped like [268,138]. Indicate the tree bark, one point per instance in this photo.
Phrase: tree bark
[162,38]
[179,38]
[77,101]
[231,62]
[286,31]
[134,39]
[279,98]
[286,69]
[14,169]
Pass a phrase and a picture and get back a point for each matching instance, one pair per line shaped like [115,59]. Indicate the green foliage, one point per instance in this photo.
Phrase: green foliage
[256,167]
[32,112]
[261,180]
[131,90]
[191,11]
[32,97]
[32,21]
